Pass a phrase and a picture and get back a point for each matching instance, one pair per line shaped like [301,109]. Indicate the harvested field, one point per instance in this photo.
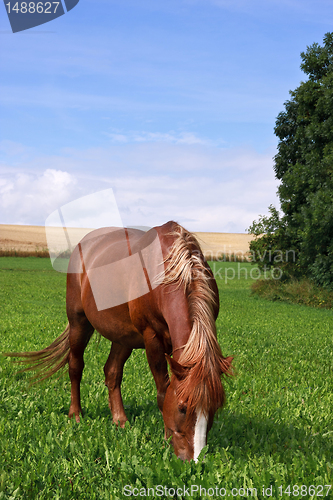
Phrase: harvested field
[31,240]
[216,244]
[22,240]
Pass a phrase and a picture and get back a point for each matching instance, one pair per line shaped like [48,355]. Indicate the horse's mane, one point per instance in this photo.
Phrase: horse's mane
[202,357]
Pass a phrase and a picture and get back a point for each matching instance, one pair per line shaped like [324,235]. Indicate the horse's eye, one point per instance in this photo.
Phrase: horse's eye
[183,409]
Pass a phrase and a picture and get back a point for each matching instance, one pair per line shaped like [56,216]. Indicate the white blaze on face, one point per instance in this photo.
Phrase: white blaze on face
[200,432]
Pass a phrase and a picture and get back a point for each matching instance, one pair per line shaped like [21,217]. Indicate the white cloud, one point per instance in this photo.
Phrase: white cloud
[117,137]
[204,188]
[169,137]
[27,198]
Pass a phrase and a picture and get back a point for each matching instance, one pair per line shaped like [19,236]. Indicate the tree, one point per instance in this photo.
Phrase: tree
[304,165]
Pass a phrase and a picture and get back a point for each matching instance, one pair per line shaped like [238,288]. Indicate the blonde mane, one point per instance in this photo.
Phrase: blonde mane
[202,357]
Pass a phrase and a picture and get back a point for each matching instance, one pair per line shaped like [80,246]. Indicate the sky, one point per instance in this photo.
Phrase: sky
[171,104]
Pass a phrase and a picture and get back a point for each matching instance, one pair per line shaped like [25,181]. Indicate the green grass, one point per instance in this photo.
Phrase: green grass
[276,428]
[295,292]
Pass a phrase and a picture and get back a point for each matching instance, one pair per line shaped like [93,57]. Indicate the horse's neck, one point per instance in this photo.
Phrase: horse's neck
[177,315]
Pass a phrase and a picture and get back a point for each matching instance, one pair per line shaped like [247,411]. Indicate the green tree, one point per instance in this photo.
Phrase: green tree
[304,165]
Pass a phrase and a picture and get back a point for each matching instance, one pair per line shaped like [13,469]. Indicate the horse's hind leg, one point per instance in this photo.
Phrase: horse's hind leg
[79,336]
[113,370]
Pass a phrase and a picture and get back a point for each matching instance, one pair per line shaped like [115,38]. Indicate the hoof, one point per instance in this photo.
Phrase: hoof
[120,423]
[73,414]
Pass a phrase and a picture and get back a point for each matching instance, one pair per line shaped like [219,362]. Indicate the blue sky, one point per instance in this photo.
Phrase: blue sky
[171,104]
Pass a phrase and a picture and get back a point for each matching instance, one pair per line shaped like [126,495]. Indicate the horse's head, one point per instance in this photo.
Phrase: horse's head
[187,426]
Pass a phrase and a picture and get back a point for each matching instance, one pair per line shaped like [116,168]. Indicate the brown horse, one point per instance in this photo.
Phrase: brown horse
[154,291]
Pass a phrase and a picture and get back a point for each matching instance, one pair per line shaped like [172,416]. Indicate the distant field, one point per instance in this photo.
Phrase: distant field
[29,239]
[275,432]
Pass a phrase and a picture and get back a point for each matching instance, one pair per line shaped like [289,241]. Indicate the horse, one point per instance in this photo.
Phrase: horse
[152,290]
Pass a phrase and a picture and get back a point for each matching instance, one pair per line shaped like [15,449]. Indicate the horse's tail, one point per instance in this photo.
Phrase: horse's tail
[47,361]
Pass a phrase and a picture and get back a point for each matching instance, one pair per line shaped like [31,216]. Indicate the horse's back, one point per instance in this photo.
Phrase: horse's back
[111,244]
[106,245]
[114,273]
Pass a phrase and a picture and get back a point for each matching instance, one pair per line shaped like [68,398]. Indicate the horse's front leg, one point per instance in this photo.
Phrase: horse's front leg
[157,363]
[113,370]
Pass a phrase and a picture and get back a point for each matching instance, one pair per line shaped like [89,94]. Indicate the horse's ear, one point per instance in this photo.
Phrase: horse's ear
[177,369]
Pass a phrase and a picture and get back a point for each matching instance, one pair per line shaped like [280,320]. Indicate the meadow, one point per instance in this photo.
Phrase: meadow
[274,438]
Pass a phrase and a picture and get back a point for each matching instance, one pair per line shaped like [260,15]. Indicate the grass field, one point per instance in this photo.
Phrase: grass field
[276,429]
